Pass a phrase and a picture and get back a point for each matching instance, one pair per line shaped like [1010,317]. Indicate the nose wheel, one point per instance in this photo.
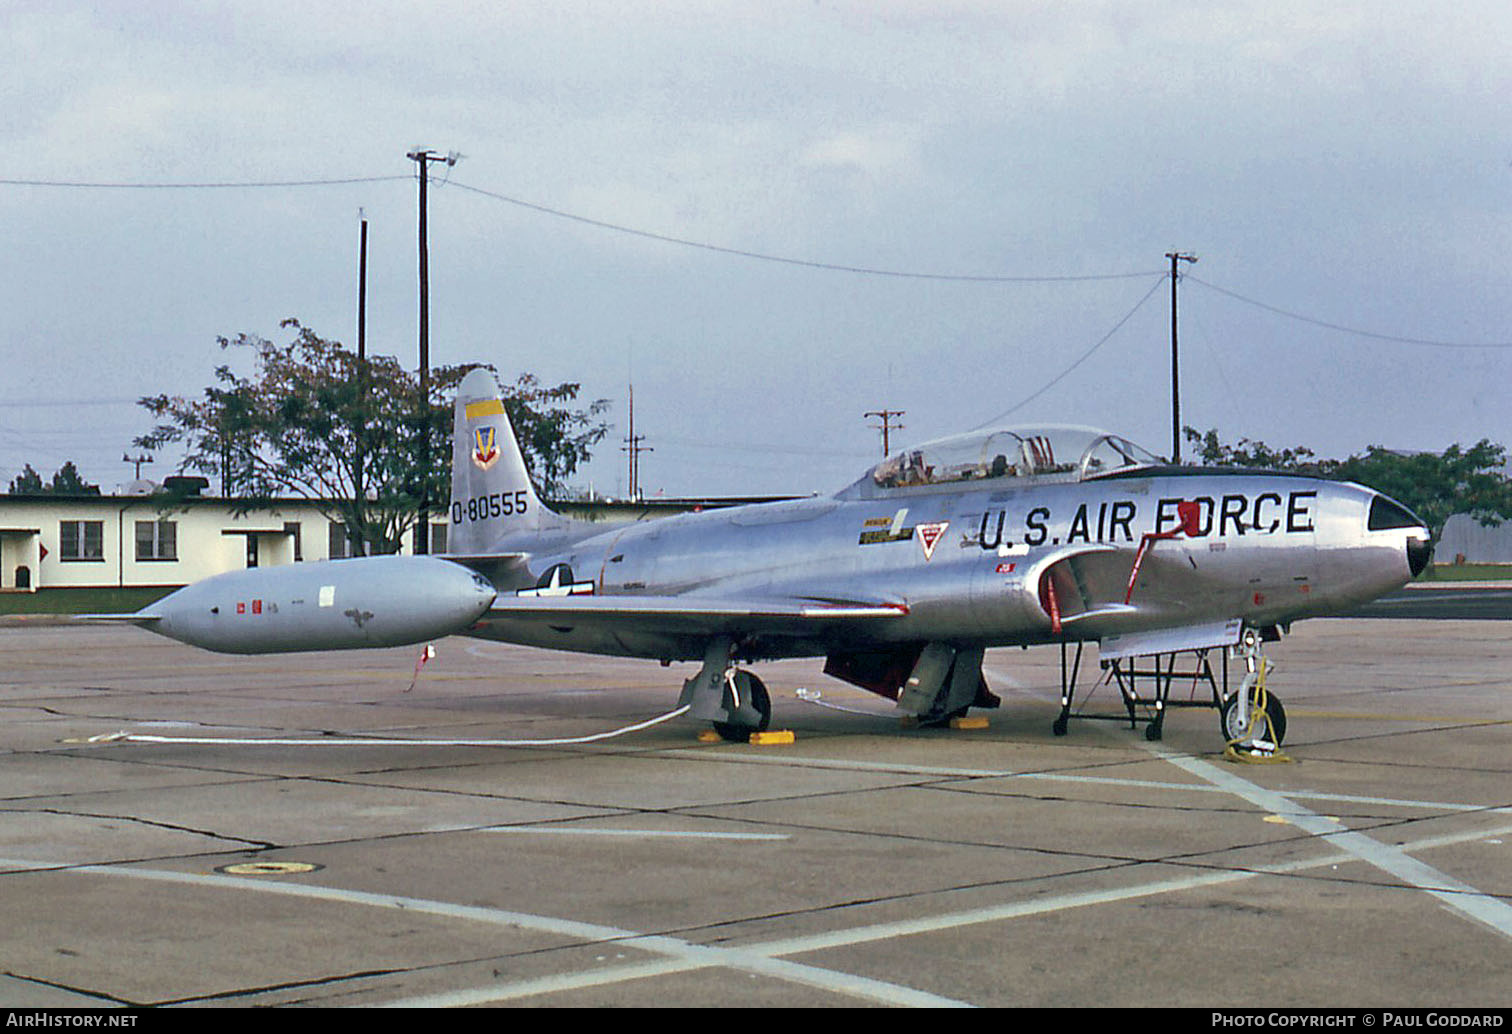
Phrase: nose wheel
[1253,721]
[1267,722]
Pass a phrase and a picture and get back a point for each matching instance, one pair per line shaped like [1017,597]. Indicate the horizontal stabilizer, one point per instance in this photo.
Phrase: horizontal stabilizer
[498,568]
[473,559]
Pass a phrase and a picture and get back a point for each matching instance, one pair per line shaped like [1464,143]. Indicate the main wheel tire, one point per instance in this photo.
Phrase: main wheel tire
[753,693]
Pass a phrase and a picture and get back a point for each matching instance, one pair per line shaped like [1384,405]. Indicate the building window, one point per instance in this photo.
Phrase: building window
[81,540]
[338,545]
[156,540]
[438,538]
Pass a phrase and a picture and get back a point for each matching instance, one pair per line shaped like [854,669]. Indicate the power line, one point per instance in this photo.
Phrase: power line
[1082,358]
[1340,327]
[785,449]
[785,260]
[586,221]
[746,253]
[49,403]
[223,185]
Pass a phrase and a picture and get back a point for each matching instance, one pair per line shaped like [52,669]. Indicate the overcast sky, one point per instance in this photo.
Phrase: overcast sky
[1346,162]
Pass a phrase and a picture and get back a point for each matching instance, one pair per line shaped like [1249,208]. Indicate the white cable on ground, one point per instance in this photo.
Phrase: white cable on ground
[332,741]
[813,696]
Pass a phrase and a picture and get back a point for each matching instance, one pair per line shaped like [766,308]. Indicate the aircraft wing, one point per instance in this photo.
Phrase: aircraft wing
[695,615]
[142,619]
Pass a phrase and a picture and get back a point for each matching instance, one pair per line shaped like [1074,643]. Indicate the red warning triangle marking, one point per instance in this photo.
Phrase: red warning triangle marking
[929,535]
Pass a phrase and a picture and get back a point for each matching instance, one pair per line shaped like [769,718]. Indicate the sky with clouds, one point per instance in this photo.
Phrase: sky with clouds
[1346,162]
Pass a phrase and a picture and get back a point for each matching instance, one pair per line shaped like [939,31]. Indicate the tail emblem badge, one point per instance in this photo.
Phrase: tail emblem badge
[485,452]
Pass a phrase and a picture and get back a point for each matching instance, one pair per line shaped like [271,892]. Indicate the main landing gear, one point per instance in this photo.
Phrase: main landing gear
[748,693]
[732,699]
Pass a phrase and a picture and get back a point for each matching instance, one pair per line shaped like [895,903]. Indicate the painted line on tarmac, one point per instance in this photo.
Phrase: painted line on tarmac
[693,958]
[683,955]
[910,927]
[900,768]
[1394,861]
[1458,721]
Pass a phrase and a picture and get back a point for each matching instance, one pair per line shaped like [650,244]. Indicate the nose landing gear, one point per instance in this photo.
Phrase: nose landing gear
[1253,721]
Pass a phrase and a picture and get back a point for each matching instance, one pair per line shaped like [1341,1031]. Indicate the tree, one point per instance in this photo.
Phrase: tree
[316,422]
[1213,451]
[1434,486]
[67,481]
[28,482]
[1437,487]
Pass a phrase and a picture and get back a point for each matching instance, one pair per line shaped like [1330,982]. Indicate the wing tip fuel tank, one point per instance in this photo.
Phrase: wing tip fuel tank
[336,605]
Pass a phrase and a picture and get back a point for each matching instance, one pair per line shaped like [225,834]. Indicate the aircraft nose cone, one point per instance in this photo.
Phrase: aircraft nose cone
[1419,551]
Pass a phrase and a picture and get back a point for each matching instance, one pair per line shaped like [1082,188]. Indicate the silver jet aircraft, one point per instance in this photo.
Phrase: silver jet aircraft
[1009,537]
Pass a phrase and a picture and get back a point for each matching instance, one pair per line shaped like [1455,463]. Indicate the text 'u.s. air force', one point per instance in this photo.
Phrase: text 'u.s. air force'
[1120,520]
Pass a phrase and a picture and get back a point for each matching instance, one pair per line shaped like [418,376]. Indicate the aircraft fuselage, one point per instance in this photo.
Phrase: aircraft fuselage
[969,564]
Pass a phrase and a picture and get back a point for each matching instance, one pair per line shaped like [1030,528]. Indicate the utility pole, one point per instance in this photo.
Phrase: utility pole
[634,447]
[422,525]
[886,426]
[138,460]
[1175,257]
[360,433]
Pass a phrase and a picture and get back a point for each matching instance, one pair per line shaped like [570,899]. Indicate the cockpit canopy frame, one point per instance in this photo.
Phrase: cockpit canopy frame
[1046,453]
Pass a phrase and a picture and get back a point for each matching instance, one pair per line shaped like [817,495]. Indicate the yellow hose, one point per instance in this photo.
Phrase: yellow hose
[1257,713]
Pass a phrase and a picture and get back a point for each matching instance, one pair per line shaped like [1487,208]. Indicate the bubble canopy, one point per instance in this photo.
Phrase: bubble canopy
[1047,453]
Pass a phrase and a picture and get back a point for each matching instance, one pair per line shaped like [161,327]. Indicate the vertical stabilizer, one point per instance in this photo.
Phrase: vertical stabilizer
[492,498]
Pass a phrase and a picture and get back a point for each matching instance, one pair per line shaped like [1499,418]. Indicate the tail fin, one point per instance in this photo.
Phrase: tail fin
[492,498]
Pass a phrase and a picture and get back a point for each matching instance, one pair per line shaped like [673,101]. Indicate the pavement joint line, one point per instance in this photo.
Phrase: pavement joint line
[682,955]
[1395,861]
[789,761]
[902,928]
[763,957]
[634,833]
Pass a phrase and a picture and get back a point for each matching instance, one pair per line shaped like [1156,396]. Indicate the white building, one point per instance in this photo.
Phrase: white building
[1465,537]
[144,541]
[49,541]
